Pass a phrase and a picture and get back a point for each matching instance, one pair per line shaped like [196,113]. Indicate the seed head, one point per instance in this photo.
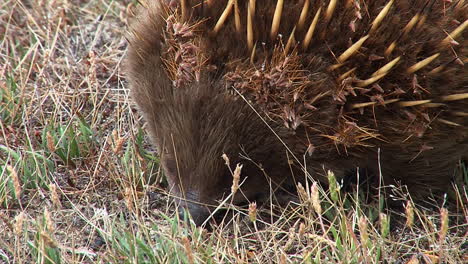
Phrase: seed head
[253,211]
[236,178]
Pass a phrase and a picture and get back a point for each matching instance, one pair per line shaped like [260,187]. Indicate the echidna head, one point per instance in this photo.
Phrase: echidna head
[195,128]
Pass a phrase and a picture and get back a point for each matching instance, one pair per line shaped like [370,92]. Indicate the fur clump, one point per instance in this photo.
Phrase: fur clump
[294,88]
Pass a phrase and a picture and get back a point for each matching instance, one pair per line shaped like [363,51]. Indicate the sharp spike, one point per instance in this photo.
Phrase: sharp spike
[252,54]
[426,9]
[436,70]
[371,80]
[455,33]
[303,16]
[223,17]
[387,67]
[276,19]
[433,105]
[405,32]
[421,21]
[454,97]
[390,49]
[351,50]
[362,105]
[413,103]
[237,18]
[252,6]
[416,67]
[440,68]
[318,96]
[411,24]
[381,16]
[346,74]
[310,32]
[335,66]
[183,7]
[391,101]
[330,10]
[458,113]
[447,122]
[250,16]
[291,41]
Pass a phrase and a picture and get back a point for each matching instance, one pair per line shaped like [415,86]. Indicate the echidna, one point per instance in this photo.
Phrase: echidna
[294,88]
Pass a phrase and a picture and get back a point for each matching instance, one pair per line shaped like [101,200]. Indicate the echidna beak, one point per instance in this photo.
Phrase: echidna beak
[190,205]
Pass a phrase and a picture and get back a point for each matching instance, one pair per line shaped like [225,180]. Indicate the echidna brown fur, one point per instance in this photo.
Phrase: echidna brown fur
[292,89]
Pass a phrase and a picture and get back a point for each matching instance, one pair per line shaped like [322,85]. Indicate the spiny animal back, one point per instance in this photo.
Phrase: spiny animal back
[344,70]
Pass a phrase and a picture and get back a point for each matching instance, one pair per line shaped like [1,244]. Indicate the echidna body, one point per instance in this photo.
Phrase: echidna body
[288,87]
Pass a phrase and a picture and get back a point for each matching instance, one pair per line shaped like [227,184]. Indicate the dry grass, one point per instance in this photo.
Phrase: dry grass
[79,183]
